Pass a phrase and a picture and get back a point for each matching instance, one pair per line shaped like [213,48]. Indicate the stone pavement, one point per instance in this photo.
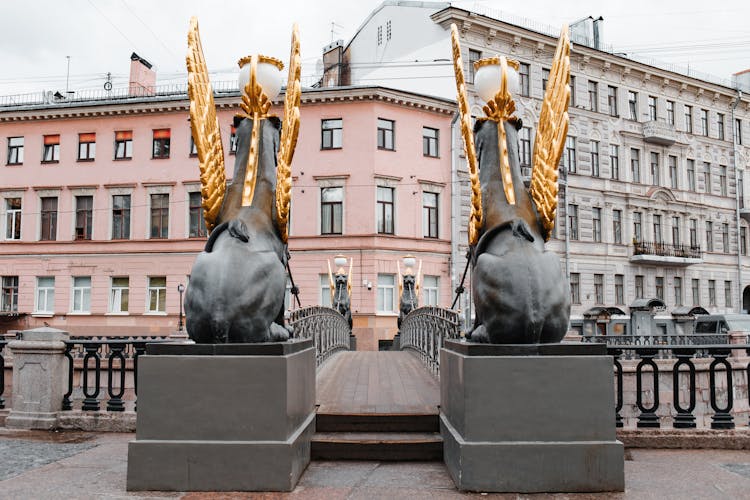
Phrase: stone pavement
[70,465]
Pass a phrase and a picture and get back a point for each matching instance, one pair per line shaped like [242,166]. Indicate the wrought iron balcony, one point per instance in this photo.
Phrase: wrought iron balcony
[659,132]
[649,252]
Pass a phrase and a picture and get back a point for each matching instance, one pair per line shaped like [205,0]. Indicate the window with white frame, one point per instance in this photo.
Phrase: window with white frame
[325,290]
[15,150]
[386,300]
[45,295]
[81,299]
[331,133]
[385,209]
[10,294]
[157,294]
[430,142]
[119,294]
[12,218]
[430,290]
[430,214]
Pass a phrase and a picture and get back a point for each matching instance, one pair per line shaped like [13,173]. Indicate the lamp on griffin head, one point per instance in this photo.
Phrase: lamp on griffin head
[409,263]
[267,74]
[488,77]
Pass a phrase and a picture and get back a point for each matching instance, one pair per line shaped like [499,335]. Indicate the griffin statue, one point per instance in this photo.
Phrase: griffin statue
[408,288]
[237,284]
[341,287]
[520,291]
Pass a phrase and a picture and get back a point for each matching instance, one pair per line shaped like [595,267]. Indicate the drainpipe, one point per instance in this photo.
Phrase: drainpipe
[455,207]
[737,203]
[566,223]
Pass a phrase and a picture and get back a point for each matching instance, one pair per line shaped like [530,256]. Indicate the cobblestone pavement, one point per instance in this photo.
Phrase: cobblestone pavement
[40,465]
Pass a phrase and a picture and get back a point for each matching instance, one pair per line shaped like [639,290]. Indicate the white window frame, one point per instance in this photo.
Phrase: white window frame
[388,291]
[82,291]
[9,215]
[157,190]
[115,296]
[430,293]
[49,296]
[151,288]
[325,291]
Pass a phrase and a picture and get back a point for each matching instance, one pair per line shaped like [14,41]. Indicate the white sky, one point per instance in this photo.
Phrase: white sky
[99,35]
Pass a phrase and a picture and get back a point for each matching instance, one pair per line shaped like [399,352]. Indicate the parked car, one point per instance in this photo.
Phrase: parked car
[722,323]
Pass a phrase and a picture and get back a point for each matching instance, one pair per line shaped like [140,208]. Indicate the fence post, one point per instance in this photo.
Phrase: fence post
[40,378]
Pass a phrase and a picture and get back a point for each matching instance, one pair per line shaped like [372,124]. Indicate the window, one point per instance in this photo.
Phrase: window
[523,72]
[670,112]
[595,158]
[704,122]
[612,100]
[593,96]
[639,287]
[474,56]
[672,160]
[723,180]
[430,290]
[617,226]
[49,219]
[161,143]
[573,221]
[743,240]
[15,150]
[691,174]
[331,133]
[727,294]
[651,107]
[45,295]
[596,216]
[12,218]
[572,91]
[84,217]
[545,79]
[737,132]
[707,176]
[677,282]
[159,216]
[655,174]
[119,294]
[380,35]
[659,285]
[725,237]
[233,140]
[197,222]
[430,214]
[9,298]
[385,210]
[688,119]
[619,289]
[86,147]
[696,292]
[325,291]
[569,160]
[599,288]
[675,230]
[635,165]
[720,125]
[575,288]
[741,188]
[51,151]
[633,105]
[430,145]
[614,161]
[657,229]
[385,134]
[637,226]
[193,147]
[81,299]
[388,30]
[709,236]
[712,292]
[386,300]
[525,143]
[121,217]
[157,294]
[694,233]
[331,205]
[124,145]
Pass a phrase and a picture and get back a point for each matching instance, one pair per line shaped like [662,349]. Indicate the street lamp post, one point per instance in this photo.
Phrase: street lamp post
[180,289]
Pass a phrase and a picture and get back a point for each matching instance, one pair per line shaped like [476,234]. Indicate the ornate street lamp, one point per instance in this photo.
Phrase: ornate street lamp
[180,289]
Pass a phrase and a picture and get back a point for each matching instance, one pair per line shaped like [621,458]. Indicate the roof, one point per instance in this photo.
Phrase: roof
[688,311]
[647,304]
[606,311]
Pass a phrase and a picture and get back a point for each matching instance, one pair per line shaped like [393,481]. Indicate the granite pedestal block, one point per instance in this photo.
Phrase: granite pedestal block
[229,417]
[536,418]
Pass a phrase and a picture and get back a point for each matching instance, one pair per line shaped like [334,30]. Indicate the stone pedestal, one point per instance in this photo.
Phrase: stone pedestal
[529,418]
[223,417]
[40,378]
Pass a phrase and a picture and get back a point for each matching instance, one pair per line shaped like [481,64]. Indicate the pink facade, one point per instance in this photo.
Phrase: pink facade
[156,250]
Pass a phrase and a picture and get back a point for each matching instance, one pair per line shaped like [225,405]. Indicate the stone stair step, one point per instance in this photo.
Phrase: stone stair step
[386,446]
[377,422]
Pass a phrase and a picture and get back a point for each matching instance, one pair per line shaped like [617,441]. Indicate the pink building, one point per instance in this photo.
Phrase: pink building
[101,217]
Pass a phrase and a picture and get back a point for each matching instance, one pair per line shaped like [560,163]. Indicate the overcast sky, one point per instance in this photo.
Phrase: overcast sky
[99,35]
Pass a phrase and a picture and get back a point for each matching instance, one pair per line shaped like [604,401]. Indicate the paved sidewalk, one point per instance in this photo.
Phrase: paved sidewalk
[39,465]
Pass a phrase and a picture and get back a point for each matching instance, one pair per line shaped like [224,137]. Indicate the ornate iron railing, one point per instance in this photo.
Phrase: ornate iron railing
[3,343]
[666,250]
[674,339]
[325,325]
[424,331]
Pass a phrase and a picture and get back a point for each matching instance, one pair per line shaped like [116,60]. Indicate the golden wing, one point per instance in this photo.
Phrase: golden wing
[289,133]
[331,283]
[550,136]
[205,128]
[475,218]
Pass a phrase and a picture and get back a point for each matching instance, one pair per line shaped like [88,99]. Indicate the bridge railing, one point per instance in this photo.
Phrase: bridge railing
[424,331]
[325,325]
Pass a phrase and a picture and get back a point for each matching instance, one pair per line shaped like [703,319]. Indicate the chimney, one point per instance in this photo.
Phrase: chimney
[333,65]
[142,77]
[742,80]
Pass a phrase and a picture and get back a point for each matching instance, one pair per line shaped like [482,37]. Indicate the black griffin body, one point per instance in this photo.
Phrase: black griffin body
[237,284]
[341,299]
[408,301]
[519,290]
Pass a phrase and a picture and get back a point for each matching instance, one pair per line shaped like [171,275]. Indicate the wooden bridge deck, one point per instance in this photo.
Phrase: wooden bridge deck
[377,383]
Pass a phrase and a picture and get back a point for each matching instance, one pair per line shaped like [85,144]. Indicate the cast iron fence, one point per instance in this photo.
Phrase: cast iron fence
[666,249]
[3,343]
[325,325]
[424,331]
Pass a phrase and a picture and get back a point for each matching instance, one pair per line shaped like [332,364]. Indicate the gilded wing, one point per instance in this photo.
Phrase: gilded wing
[331,283]
[205,128]
[475,218]
[550,136]
[289,133]
[349,278]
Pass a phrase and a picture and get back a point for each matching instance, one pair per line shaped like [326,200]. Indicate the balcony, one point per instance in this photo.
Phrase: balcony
[659,132]
[649,252]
